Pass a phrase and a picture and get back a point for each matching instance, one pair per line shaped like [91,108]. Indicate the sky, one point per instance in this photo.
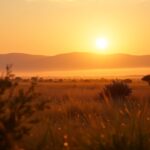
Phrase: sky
[50,27]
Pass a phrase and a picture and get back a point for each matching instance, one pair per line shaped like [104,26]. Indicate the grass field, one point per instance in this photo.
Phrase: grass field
[77,119]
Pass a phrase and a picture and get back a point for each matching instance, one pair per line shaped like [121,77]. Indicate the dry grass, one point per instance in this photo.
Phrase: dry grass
[77,120]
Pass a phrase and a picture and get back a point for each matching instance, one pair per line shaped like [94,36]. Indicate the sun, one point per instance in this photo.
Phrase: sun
[101,44]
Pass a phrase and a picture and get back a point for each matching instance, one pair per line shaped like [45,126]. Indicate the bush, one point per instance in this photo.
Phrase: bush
[127,80]
[5,81]
[17,111]
[116,90]
[146,79]
[34,79]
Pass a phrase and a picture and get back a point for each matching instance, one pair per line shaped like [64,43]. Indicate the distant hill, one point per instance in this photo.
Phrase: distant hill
[72,61]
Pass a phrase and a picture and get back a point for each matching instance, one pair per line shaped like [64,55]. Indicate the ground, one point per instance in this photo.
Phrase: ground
[77,119]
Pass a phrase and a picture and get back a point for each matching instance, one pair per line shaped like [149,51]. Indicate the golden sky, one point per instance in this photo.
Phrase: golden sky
[59,26]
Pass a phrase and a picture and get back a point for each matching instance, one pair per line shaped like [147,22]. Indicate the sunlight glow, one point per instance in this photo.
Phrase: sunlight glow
[101,44]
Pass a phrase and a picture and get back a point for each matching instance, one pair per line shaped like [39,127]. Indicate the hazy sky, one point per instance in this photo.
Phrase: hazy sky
[59,26]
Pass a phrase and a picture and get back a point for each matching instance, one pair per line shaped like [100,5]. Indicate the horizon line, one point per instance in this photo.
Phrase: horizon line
[75,52]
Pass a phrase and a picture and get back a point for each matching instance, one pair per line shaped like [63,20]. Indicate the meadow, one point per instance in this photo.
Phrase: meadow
[72,116]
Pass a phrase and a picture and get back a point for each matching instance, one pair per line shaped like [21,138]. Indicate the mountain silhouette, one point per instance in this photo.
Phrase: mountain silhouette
[72,61]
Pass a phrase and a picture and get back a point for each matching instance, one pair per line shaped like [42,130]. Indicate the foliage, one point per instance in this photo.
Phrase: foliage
[127,80]
[116,90]
[34,79]
[5,82]
[146,79]
[16,111]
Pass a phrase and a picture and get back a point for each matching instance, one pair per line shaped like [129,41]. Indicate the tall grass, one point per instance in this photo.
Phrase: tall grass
[98,126]
[70,122]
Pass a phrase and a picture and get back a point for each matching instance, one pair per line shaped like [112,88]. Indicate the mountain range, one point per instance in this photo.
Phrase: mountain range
[72,61]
